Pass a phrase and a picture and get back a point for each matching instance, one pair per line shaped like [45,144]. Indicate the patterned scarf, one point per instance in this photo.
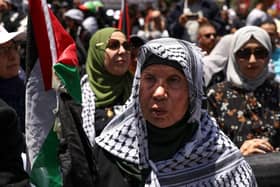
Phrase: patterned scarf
[208,159]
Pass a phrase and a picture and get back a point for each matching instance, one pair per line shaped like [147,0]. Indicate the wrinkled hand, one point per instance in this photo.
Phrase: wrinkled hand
[256,146]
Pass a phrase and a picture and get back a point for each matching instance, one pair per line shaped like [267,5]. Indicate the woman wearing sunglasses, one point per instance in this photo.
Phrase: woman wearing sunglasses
[247,104]
[107,83]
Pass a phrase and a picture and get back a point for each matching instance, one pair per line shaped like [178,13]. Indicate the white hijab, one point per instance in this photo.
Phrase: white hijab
[240,37]
[217,60]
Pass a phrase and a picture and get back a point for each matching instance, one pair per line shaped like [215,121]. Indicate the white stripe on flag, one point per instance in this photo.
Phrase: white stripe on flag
[48,21]
[39,112]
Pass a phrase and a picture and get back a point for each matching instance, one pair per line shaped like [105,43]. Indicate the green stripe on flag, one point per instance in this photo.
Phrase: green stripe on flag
[45,172]
[69,76]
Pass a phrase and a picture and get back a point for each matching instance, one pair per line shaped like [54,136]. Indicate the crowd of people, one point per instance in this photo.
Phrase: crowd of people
[183,100]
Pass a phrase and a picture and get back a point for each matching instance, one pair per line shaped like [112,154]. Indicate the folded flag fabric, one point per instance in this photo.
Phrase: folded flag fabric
[52,65]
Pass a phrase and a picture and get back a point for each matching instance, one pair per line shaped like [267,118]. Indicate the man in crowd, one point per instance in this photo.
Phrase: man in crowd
[206,38]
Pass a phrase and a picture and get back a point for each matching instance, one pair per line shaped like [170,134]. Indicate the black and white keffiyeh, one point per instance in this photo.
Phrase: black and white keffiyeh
[88,109]
[208,159]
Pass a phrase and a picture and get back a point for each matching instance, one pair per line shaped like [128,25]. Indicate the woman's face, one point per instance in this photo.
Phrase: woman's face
[251,59]
[163,95]
[117,59]
[9,60]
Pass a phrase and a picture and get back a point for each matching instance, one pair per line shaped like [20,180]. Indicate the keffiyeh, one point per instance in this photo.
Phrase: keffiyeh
[208,159]
[88,110]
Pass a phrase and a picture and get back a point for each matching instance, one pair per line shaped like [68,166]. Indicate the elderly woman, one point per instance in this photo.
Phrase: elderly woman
[108,81]
[12,88]
[247,104]
[163,137]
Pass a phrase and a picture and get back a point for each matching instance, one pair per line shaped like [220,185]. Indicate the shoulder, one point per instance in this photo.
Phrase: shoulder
[87,94]
[271,81]
[7,114]
[218,87]
[223,153]
[11,144]
[108,170]
[269,88]
[88,109]
[270,84]
[84,80]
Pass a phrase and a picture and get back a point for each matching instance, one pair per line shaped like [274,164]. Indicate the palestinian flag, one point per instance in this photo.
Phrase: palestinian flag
[124,21]
[51,65]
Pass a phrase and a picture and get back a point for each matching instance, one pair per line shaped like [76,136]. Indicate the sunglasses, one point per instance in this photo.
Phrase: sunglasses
[210,34]
[114,44]
[259,53]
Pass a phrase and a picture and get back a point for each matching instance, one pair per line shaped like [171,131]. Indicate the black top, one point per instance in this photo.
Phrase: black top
[11,147]
[112,172]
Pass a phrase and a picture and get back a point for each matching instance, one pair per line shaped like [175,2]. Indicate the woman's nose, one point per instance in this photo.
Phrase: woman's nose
[122,49]
[160,92]
[252,58]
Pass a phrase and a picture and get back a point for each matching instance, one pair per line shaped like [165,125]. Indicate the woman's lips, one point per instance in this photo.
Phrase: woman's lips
[159,112]
[250,66]
[12,66]
[121,61]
